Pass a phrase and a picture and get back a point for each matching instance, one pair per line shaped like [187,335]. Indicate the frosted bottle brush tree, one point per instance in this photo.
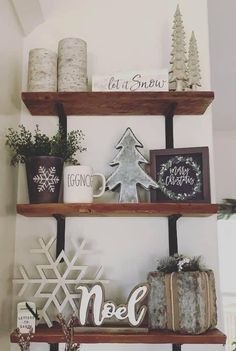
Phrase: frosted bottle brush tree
[178,74]
[194,77]
[184,73]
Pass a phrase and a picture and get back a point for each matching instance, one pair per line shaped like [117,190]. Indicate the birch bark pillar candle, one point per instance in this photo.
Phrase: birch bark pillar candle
[42,70]
[72,65]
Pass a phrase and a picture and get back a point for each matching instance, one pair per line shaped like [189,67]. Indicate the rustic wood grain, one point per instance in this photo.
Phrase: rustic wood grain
[118,103]
[54,335]
[117,209]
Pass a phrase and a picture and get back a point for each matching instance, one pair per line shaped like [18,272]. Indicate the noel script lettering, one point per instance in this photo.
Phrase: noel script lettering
[102,310]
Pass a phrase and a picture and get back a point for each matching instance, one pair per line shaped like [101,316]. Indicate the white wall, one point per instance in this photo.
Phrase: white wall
[222,28]
[225,170]
[225,164]
[227,244]
[123,35]
[10,87]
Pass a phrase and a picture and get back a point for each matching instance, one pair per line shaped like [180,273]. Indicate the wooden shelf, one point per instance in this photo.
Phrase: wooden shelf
[54,335]
[117,209]
[118,103]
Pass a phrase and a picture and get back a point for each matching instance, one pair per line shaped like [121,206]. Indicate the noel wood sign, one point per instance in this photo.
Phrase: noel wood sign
[133,311]
[181,174]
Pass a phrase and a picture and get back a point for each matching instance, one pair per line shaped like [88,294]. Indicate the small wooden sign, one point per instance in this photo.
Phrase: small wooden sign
[103,310]
[132,81]
[181,174]
[25,318]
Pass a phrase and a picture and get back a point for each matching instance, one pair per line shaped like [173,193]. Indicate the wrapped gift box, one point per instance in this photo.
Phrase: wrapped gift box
[183,302]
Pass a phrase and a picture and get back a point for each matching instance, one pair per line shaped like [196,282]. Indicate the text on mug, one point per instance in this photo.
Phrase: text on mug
[79,180]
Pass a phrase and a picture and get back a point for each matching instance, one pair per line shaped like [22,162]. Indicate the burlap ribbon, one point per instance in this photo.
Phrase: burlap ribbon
[209,300]
[172,300]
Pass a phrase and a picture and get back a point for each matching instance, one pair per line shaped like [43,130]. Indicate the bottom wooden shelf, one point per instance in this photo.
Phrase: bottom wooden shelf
[54,335]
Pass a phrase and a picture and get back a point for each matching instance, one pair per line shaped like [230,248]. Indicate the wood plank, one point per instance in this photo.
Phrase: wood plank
[118,103]
[117,209]
[55,335]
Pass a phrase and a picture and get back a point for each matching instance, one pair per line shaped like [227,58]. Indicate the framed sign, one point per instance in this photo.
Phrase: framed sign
[182,175]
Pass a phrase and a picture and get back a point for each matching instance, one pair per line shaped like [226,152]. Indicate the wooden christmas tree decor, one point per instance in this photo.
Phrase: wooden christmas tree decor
[178,70]
[129,172]
[194,76]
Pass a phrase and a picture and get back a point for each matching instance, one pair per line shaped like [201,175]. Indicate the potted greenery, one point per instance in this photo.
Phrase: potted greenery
[44,157]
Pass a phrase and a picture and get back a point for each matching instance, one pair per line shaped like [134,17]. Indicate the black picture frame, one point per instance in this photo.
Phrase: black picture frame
[182,174]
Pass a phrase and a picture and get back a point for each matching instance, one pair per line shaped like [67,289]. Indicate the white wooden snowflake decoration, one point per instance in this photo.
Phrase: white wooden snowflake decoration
[57,293]
[46,179]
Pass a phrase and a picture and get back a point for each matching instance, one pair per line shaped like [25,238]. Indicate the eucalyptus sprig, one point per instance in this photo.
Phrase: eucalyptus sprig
[23,144]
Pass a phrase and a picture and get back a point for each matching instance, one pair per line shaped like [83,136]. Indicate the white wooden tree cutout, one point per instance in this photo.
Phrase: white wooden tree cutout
[57,294]
[194,77]
[178,70]
[129,172]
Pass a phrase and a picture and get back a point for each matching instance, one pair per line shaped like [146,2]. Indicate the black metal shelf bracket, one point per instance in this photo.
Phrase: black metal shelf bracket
[60,244]
[172,220]
[62,118]
[61,225]
[54,347]
[172,229]
[169,132]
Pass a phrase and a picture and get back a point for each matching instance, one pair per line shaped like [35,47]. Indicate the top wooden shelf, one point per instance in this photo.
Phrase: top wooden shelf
[118,103]
[54,335]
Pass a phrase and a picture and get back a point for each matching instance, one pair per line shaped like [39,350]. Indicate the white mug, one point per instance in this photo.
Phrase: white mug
[78,184]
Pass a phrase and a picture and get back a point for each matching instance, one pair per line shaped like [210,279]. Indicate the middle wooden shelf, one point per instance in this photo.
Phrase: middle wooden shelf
[117,209]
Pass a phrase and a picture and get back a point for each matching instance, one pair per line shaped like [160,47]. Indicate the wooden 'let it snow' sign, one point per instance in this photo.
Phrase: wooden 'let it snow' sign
[133,81]
[102,310]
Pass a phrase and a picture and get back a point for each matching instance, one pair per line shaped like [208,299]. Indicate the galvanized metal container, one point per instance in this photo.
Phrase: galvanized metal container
[42,70]
[183,302]
[72,65]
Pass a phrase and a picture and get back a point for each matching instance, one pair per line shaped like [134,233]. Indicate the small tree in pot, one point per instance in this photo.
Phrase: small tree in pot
[44,157]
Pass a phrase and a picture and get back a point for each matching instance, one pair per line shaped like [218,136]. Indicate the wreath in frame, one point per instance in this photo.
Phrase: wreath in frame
[175,161]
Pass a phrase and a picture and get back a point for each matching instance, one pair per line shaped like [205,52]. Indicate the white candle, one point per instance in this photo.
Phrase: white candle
[42,70]
[72,65]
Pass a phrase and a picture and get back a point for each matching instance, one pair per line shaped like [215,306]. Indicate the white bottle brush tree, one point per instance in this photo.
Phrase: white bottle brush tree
[129,172]
[194,77]
[178,74]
